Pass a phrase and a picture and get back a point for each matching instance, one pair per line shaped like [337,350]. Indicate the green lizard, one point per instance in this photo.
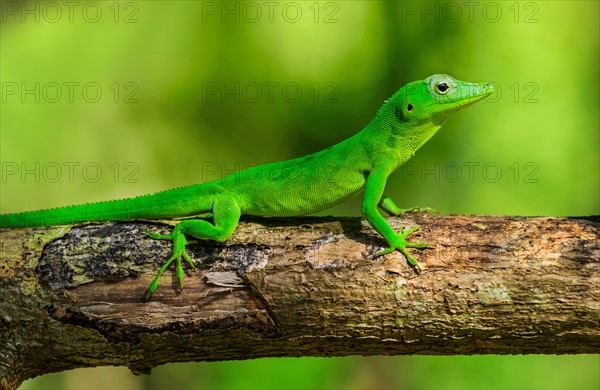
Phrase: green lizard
[295,187]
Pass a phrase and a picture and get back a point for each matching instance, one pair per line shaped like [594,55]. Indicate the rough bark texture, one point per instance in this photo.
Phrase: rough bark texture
[73,296]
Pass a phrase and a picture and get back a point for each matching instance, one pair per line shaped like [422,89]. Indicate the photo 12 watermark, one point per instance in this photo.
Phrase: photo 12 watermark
[70,11]
[269,91]
[470,172]
[69,92]
[468,11]
[68,171]
[269,11]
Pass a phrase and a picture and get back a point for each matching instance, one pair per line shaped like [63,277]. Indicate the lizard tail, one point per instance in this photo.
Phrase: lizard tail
[162,205]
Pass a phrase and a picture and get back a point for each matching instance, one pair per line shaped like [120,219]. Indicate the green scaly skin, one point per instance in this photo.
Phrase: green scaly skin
[295,187]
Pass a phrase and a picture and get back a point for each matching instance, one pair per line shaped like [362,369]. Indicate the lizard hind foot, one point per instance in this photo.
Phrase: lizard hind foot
[179,242]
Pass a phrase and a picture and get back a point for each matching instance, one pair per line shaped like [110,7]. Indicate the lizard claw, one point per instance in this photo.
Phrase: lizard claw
[401,244]
[420,209]
[179,242]
[156,236]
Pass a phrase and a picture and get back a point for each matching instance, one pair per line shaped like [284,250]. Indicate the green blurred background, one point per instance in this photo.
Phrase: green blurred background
[108,99]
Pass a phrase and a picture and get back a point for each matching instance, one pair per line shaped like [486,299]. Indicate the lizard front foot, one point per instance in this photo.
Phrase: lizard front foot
[179,242]
[419,209]
[401,244]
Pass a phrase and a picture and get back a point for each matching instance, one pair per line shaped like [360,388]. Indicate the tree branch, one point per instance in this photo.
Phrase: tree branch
[73,296]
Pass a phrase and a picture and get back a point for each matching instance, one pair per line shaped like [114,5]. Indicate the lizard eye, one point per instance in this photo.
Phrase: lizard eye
[440,84]
[442,88]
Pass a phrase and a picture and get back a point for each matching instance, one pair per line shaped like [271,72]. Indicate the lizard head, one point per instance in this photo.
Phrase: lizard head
[418,110]
[434,99]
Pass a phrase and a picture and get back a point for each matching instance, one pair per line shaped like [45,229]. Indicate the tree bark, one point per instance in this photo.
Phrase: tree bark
[72,296]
